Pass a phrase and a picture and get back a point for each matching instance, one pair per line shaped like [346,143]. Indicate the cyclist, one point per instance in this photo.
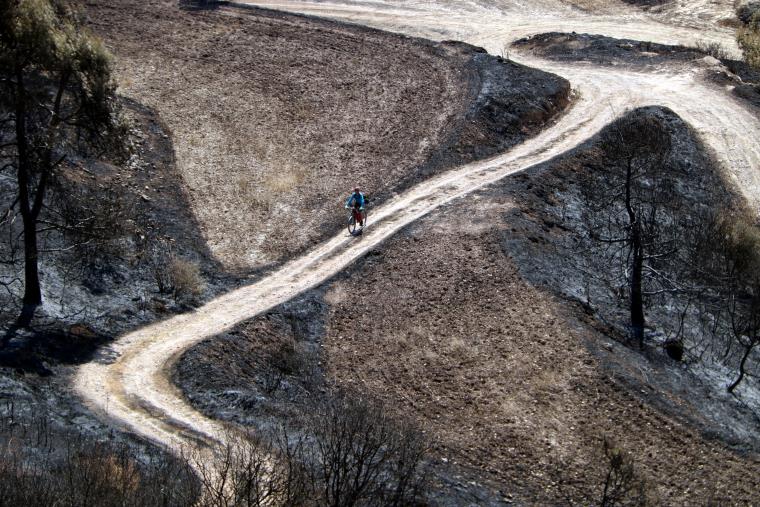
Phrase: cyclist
[357,201]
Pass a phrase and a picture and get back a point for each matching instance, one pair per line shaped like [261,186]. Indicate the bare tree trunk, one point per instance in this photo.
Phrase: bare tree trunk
[637,261]
[637,301]
[747,351]
[32,294]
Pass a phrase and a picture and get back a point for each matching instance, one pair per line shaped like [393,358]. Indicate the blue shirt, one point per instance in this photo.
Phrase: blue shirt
[356,198]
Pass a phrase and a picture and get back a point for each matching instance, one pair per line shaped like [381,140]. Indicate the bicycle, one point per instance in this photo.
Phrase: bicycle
[357,220]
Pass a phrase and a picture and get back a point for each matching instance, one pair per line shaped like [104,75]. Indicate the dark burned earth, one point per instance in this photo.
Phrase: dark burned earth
[464,323]
[461,323]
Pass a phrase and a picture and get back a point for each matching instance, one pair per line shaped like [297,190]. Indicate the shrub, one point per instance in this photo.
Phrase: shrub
[749,42]
[284,359]
[252,471]
[348,451]
[173,275]
[714,49]
[363,456]
[92,220]
[622,485]
[186,279]
[749,12]
[748,36]
[41,465]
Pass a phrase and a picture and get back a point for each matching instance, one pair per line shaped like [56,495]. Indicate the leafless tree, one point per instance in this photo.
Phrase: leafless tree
[627,200]
[43,464]
[346,451]
[731,268]
[363,456]
[622,485]
[745,324]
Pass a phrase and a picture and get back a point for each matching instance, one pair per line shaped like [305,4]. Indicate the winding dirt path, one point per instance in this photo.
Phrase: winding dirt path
[134,390]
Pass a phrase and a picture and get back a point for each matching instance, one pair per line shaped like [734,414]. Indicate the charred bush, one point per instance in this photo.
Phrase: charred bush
[622,485]
[283,360]
[362,456]
[286,358]
[714,49]
[93,221]
[346,451]
[248,471]
[41,465]
[730,260]
[173,275]
[674,349]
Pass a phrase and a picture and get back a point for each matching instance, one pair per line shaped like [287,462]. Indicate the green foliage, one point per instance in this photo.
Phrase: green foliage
[57,102]
[58,76]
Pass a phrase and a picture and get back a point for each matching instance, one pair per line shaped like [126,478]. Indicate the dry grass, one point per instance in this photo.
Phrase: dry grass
[174,275]
[278,116]
[714,49]
[729,23]
[749,41]
[186,279]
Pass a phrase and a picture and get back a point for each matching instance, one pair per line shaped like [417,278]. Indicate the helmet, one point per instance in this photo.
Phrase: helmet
[356,189]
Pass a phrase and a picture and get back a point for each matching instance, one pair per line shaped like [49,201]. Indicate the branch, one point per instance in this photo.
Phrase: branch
[661,291]
[610,240]
[66,249]
[39,195]
[661,276]
[77,228]
[8,211]
[661,255]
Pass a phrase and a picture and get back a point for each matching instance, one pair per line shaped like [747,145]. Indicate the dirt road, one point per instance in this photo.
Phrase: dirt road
[130,384]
